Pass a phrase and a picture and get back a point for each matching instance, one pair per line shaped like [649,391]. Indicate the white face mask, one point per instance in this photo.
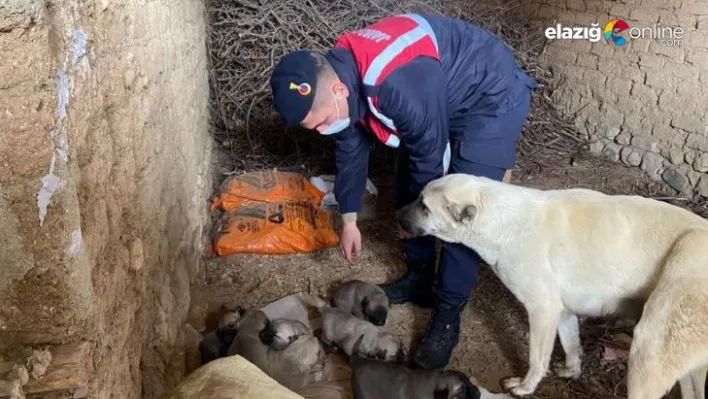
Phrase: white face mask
[338,125]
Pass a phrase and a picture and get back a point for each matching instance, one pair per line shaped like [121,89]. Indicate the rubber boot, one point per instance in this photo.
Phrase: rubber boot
[415,286]
[441,336]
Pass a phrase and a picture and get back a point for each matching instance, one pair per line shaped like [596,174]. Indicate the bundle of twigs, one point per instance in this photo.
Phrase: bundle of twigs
[247,38]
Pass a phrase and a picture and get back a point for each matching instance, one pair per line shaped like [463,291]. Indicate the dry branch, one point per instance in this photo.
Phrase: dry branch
[248,36]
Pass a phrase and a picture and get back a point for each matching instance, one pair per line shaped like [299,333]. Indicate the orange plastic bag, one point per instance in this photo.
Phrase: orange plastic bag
[276,228]
[266,186]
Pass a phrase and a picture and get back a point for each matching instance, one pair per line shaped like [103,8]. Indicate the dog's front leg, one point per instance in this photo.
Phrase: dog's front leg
[693,384]
[543,322]
[569,334]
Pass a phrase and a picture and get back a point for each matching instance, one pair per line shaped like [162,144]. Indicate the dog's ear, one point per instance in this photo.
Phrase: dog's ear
[364,304]
[460,213]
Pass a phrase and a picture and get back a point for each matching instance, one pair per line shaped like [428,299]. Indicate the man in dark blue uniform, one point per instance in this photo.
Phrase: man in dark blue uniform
[451,97]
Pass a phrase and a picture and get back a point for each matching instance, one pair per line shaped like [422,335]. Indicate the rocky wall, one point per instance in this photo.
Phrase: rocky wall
[104,179]
[641,102]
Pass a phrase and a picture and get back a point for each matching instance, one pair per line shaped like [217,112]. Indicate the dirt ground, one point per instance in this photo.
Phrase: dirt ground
[493,342]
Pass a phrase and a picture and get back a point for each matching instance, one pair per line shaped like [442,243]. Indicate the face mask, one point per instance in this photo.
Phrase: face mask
[338,125]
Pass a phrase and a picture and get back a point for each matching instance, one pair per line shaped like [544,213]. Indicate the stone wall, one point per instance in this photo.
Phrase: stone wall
[643,102]
[104,181]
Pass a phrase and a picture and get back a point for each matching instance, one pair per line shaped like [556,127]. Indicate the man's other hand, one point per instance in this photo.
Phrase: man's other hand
[351,242]
[402,234]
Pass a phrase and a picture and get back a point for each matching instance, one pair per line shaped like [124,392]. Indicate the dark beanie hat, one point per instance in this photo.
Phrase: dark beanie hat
[293,83]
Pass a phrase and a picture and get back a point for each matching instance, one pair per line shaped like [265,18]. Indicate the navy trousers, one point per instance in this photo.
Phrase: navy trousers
[457,272]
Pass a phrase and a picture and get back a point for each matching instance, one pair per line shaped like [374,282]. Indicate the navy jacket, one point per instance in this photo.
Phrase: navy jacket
[432,102]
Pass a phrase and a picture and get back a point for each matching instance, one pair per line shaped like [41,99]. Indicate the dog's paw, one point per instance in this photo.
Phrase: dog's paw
[564,371]
[516,387]
[511,382]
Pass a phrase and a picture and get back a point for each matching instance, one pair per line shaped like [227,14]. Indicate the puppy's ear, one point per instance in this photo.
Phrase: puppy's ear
[356,349]
[267,334]
[364,305]
[460,213]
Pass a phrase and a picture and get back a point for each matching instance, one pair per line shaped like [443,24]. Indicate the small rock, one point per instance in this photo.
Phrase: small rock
[674,154]
[38,363]
[607,131]
[703,186]
[644,143]
[677,180]
[652,163]
[701,163]
[624,138]
[143,82]
[137,257]
[128,78]
[693,177]
[612,151]
[631,156]
[596,147]
[80,393]
[690,156]
[635,158]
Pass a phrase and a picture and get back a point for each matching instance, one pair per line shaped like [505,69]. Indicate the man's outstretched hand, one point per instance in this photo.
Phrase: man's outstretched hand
[351,242]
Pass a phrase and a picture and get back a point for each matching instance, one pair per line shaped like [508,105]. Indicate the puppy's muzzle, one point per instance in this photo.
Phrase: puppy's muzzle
[378,316]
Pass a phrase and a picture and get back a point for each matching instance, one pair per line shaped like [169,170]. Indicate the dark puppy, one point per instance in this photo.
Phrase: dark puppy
[364,300]
[216,344]
[372,379]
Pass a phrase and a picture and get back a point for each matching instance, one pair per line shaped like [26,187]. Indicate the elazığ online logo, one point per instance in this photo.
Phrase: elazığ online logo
[613,28]
[613,32]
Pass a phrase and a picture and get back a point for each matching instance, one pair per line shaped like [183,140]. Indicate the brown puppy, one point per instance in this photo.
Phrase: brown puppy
[341,328]
[294,366]
[364,300]
[279,333]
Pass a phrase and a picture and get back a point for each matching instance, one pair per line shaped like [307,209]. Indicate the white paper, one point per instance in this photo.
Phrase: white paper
[325,183]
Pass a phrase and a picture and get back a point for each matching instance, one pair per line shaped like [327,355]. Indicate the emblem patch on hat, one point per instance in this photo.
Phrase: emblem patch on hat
[303,88]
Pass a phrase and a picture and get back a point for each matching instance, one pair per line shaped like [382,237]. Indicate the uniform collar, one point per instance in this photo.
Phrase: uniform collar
[344,65]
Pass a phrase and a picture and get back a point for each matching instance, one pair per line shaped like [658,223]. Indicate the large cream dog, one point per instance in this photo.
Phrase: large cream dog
[578,252]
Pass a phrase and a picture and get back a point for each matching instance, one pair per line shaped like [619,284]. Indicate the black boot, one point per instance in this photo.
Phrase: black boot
[441,336]
[415,286]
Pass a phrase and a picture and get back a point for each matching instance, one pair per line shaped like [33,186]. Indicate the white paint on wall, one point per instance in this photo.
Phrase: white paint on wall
[51,182]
